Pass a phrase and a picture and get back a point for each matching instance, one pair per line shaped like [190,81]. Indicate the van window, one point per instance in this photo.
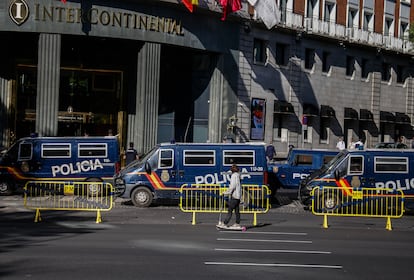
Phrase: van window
[391,164]
[238,157]
[327,159]
[303,160]
[87,150]
[356,165]
[25,151]
[56,151]
[206,158]
[166,158]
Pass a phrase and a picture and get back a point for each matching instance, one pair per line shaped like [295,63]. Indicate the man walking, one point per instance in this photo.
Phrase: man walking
[234,191]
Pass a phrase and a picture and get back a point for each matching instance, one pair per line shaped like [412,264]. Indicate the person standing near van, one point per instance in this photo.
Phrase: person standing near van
[130,154]
[270,152]
[234,191]
[340,145]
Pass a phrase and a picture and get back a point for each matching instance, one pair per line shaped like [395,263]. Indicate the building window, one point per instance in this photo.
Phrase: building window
[350,66]
[259,51]
[386,72]
[403,30]
[309,58]
[364,68]
[388,27]
[281,54]
[352,18]
[313,9]
[400,74]
[325,62]
[368,22]
[324,124]
[329,12]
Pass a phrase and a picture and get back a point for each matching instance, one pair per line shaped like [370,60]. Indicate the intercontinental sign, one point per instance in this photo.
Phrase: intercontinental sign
[20,12]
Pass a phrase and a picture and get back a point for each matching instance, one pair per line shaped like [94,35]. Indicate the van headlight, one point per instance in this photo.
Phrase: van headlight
[119,181]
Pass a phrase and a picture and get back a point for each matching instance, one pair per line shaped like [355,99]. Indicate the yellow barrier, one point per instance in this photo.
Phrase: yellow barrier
[58,195]
[209,198]
[357,202]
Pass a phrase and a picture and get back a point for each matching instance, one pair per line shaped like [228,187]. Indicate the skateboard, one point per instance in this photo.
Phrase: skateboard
[224,227]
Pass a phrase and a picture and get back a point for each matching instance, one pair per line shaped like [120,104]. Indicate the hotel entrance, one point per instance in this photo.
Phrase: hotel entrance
[89,102]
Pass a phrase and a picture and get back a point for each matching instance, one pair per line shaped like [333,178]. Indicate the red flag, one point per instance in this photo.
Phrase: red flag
[64,1]
[190,4]
[230,6]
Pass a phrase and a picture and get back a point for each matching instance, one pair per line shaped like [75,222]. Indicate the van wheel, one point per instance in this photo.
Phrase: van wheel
[94,186]
[141,197]
[331,201]
[6,188]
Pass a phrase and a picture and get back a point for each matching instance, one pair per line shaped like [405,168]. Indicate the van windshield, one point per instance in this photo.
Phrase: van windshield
[143,158]
[328,167]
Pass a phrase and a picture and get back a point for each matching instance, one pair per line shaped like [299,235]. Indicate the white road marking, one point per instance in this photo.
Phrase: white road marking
[272,251]
[277,265]
[264,240]
[269,232]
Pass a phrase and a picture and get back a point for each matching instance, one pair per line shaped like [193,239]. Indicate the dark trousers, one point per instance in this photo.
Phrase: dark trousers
[234,204]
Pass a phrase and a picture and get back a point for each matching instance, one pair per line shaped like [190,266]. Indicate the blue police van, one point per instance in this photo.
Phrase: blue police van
[286,176]
[58,159]
[160,173]
[371,168]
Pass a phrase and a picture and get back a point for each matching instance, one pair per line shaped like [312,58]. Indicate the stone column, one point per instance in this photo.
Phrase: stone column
[142,127]
[4,108]
[48,81]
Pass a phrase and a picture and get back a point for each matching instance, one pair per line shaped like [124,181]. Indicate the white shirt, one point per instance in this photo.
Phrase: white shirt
[340,145]
[235,187]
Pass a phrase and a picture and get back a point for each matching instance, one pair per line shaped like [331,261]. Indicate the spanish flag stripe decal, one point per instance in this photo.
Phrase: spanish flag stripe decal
[155,181]
[344,186]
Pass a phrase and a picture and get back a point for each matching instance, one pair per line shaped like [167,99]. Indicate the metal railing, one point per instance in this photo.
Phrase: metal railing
[209,198]
[357,202]
[74,196]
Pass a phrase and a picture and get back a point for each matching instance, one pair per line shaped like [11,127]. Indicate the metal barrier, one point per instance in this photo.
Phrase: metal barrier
[58,195]
[357,202]
[209,198]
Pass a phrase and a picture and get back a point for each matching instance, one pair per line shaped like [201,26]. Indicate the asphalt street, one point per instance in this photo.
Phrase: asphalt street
[160,242]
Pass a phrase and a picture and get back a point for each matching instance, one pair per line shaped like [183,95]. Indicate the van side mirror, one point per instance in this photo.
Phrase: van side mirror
[336,173]
[147,167]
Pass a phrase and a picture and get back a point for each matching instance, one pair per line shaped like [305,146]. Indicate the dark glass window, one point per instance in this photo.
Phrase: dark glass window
[92,150]
[259,51]
[309,58]
[56,151]
[350,65]
[281,54]
[199,158]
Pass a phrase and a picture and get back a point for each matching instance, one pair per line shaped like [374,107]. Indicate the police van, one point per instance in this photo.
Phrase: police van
[161,172]
[58,158]
[300,163]
[371,168]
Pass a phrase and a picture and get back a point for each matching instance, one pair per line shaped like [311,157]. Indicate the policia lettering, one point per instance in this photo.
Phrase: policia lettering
[403,185]
[19,12]
[78,167]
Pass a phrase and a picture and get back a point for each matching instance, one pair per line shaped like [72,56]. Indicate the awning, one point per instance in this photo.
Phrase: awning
[365,115]
[327,112]
[402,118]
[310,110]
[283,107]
[350,114]
[387,117]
